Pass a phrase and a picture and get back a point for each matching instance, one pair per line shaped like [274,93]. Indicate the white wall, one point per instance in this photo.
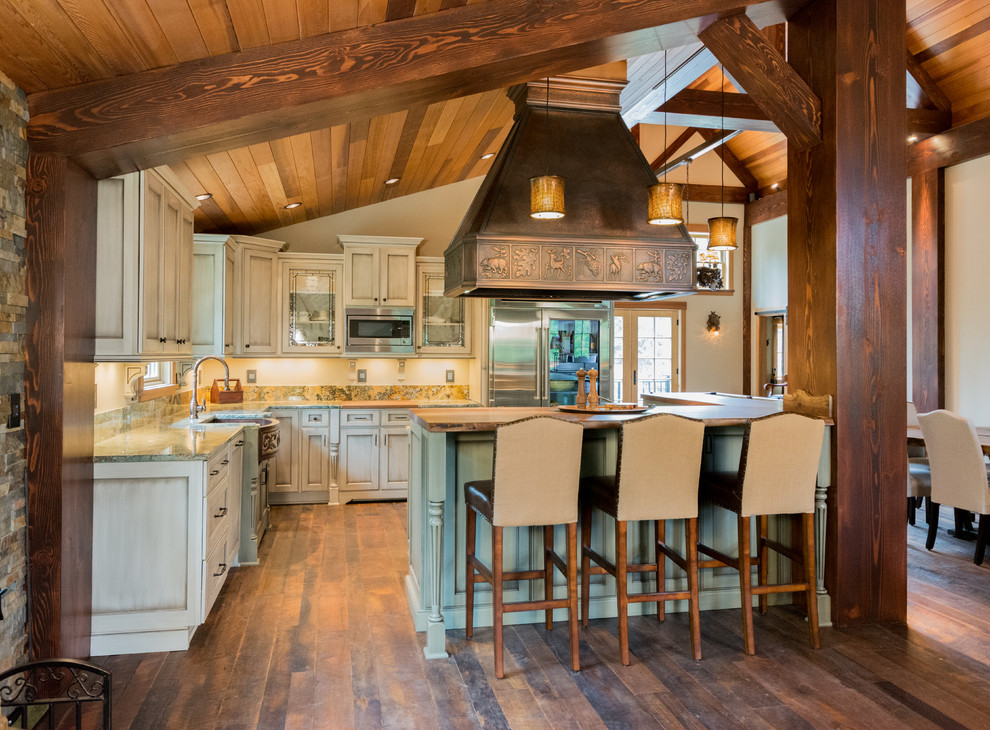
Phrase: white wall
[967,290]
[434,215]
[714,362]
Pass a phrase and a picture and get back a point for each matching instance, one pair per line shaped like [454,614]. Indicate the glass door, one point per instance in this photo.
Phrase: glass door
[572,345]
[312,308]
[647,353]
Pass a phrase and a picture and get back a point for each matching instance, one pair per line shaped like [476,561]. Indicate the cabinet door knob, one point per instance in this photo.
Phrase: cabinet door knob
[225,462]
[247,344]
[162,340]
[214,472]
[384,300]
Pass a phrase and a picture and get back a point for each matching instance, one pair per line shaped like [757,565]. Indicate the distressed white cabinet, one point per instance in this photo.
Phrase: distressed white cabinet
[312,305]
[212,294]
[144,267]
[443,324]
[256,290]
[300,472]
[164,538]
[374,454]
[379,271]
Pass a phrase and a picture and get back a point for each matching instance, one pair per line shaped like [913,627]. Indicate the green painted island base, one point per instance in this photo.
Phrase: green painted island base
[440,463]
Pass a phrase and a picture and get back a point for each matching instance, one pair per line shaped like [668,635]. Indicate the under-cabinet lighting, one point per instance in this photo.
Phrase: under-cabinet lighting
[775,186]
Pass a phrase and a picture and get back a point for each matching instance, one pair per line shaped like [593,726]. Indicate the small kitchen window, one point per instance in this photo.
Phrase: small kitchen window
[158,381]
[714,268]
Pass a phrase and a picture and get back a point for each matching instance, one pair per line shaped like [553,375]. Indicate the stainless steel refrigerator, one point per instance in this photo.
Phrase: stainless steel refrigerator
[536,348]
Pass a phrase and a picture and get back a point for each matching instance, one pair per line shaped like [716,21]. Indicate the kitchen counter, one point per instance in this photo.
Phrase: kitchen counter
[164,443]
[449,447]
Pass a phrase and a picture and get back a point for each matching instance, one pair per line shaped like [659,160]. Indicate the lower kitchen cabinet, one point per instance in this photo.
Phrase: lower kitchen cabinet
[300,473]
[164,538]
[374,454]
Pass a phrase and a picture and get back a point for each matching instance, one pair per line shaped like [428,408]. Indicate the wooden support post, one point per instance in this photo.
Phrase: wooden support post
[928,290]
[846,300]
[60,392]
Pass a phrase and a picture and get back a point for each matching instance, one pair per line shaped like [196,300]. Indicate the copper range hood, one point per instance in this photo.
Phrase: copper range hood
[603,248]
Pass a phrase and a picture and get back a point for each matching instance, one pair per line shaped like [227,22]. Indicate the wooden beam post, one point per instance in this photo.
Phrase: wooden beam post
[928,289]
[846,290]
[767,78]
[59,396]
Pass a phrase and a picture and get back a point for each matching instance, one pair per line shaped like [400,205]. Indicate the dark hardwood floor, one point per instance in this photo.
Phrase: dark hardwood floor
[319,636]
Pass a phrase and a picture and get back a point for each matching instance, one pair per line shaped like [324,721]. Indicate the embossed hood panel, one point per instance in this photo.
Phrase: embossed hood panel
[603,248]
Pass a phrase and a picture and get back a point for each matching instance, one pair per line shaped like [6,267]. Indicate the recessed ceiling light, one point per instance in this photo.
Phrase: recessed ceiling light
[913,138]
[775,186]
[204,196]
[392,181]
[290,206]
[488,155]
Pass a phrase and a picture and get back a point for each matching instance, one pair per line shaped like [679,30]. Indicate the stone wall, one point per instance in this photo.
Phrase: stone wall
[13,307]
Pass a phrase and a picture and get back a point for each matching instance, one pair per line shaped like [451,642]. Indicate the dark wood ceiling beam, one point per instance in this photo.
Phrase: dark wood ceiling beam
[693,154]
[699,108]
[682,139]
[713,194]
[928,84]
[957,145]
[768,79]
[211,104]
[925,122]
[734,164]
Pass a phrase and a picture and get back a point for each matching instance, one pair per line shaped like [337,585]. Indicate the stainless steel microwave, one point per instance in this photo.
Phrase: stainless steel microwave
[384,330]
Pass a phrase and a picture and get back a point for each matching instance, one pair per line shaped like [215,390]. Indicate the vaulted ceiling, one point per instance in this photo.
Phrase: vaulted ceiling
[439,137]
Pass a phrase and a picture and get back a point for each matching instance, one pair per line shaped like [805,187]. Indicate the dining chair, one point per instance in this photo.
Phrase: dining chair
[656,479]
[535,473]
[919,479]
[959,473]
[777,475]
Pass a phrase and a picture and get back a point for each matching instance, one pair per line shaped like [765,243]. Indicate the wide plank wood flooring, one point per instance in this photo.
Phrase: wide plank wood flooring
[319,636]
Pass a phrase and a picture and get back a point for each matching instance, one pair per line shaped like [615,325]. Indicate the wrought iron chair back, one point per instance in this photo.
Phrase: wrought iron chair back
[56,683]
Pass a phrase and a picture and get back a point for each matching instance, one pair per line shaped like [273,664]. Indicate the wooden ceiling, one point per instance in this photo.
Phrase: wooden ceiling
[49,45]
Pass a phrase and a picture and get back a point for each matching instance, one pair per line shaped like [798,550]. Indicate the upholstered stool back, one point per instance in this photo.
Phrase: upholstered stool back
[536,472]
[658,465]
[779,466]
[959,473]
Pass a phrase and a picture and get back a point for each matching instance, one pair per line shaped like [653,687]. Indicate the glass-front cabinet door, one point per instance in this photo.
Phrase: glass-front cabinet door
[312,312]
[443,325]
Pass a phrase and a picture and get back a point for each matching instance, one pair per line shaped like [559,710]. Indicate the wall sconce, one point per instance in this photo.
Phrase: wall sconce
[713,323]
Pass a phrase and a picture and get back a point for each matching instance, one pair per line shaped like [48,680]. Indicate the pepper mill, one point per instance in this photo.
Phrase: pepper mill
[582,397]
[593,388]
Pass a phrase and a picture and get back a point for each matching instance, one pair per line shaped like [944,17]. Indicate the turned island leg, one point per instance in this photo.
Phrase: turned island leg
[436,630]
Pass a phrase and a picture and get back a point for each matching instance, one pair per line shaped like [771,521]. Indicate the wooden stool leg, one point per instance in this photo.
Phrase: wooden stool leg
[585,563]
[808,523]
[932,523]
[912,506]
[661,533]
[692,576]
[622,590]
[497,598]
[548,572]
[762,544]
[746,585]
[572,595]
[469,537]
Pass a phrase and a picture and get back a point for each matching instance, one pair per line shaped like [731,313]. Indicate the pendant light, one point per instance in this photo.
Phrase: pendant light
[546,192]
[722,230]
[665,198]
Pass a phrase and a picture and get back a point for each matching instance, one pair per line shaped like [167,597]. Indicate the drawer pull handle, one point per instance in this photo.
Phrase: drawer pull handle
[225,462]
[221,513]
[214,472]
[223,569]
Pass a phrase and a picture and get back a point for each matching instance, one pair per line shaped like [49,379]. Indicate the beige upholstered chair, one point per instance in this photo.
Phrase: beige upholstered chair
[919,481]
[656,479]
[537,465]
[959,472]
[777,474]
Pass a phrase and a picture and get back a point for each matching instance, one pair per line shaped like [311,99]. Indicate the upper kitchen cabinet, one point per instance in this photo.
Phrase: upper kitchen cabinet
[256,296]
[213,294]
[443,324]
[312,304]
[379,271]
[144,267]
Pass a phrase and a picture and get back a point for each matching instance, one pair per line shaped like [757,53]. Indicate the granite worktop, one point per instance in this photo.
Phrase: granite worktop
[164,442]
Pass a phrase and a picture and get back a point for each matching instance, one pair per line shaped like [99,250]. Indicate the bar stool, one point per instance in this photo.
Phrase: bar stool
[777,475]
[537,464]
[656,479]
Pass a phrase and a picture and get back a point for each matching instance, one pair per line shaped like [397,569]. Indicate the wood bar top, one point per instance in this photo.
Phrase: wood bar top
[448,420]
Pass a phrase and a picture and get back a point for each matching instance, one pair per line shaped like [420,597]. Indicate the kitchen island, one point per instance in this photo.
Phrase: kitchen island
[449,447]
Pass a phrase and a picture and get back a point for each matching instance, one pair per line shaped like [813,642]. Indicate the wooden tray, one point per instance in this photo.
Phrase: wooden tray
[613,408]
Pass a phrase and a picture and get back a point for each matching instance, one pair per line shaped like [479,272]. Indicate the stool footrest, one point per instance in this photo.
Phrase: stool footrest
[784,588]
[534,605]
[654,597]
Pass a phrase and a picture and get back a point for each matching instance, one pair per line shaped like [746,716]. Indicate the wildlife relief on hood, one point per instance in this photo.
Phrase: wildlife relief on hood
[603,248]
